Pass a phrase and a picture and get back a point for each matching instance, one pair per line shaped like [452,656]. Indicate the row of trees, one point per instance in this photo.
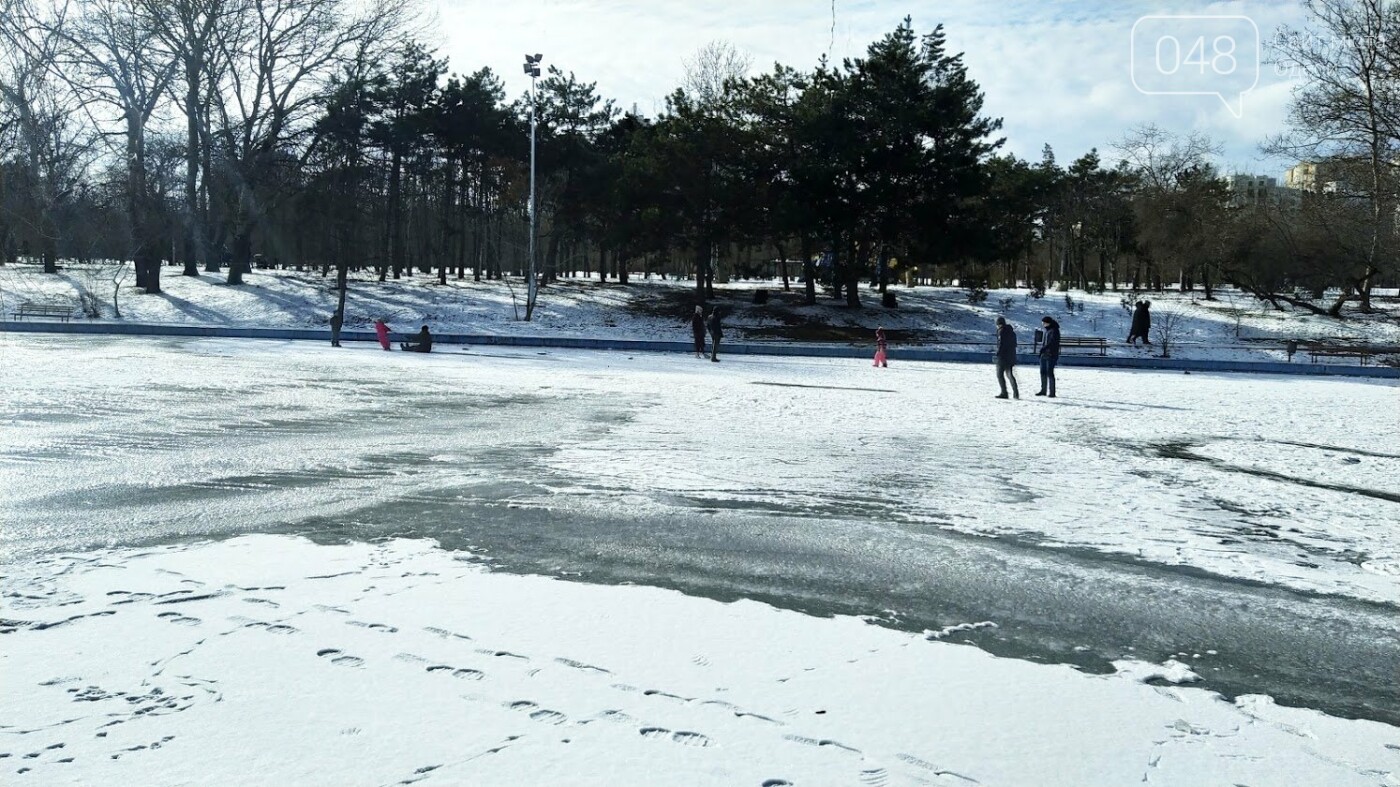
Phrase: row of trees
[321,133]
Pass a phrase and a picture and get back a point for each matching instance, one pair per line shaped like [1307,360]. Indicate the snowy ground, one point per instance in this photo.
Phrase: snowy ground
[271,660]
[1235,327]
[1145,517]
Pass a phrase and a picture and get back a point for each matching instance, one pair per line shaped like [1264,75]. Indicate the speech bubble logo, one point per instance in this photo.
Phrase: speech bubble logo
[1196,56]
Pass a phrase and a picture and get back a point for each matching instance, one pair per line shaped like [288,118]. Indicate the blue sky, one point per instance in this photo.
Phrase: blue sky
[1056,72]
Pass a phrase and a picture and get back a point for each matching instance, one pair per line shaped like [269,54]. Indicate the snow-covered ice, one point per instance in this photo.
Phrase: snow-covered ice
[1175,525]
[273,660]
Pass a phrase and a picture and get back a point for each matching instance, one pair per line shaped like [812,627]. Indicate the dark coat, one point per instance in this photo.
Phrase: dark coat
[716,330]
[697,325]
[1006,345]
[1051,347]
[1142,320]
[424,340]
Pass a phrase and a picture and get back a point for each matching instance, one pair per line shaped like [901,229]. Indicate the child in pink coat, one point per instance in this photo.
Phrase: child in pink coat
[381,328]
[880,347]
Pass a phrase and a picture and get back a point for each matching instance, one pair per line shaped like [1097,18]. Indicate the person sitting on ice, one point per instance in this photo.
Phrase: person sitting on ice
[422,343]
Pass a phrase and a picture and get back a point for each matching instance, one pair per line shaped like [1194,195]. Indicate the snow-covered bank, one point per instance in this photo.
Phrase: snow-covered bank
[271,660]
[1234,327]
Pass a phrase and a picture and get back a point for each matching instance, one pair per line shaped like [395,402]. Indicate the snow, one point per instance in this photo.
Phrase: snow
[1234,327]
[1283,481]
[273,660]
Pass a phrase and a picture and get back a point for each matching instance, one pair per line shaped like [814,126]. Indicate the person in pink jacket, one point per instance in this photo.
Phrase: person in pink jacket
[381,328]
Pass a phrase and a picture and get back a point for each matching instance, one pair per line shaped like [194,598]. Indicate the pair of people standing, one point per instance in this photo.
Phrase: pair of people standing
[1142,324]
[1006,357]
[699,325]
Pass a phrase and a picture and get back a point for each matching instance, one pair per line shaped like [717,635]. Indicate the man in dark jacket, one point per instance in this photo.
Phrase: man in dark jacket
[1006,358]
[1049,356]
[422,343]
[716,333]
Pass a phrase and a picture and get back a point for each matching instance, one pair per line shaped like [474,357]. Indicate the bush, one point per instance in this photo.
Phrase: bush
[760,297]
[976,294]
[889,301]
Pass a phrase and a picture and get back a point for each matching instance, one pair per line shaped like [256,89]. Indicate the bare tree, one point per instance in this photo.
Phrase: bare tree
[711,68]
[1167,323]
[186,29]
[52,144]
[108,57]
[1347,107]
[276,60]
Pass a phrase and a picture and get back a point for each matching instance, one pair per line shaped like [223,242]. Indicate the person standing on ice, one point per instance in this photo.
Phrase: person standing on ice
[422,343]
[1049,356]
[697,329]
[381,329]
[716,333]
[336,322]
[882,347]
[1006,358]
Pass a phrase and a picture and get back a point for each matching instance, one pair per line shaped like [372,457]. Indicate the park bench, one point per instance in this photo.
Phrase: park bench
[1076,342]
[1365,353]
[51,309]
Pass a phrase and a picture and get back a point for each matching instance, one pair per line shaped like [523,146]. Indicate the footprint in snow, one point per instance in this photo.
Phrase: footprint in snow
[464,673]
[339,658]
[176,617]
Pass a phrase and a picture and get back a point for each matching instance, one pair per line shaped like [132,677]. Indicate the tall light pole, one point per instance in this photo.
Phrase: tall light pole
[532,69]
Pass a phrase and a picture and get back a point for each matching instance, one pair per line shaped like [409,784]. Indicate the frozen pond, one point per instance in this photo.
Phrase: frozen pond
[1244,525]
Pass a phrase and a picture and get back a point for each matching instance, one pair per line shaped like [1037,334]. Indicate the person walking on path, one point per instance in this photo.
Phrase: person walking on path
[1142,324]
[1049,356]
[381,329]
[1006,358]
[422,343]
[716,333]
[697,329]
[881,349]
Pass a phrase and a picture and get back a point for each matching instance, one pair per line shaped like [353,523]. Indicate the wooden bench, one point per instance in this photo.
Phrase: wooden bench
[1078,342]
[1364,352]
[51,309]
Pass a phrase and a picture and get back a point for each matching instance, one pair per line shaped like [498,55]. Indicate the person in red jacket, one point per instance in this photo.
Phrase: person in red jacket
[381,329]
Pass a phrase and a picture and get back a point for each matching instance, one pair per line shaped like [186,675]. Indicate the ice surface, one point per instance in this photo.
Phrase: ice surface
[272,660]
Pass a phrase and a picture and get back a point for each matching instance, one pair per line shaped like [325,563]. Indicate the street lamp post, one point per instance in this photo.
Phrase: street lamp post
[532,69]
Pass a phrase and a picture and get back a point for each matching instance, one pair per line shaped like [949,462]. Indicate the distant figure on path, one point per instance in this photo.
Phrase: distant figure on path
[336,321]
[381,329]
[697,329]
[716,333]
[881,348]
[1142,324]
[1049,356]
[422,343]
[1006,358]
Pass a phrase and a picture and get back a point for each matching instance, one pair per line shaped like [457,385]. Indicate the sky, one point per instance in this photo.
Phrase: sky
[1070,74]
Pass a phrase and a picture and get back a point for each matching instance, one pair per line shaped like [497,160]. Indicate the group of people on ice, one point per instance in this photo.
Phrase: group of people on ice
[422,342]
[1005,355]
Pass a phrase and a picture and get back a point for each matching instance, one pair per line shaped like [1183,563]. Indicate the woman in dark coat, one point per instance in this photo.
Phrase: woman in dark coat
[1049,356]
[697,328]
[1142,324]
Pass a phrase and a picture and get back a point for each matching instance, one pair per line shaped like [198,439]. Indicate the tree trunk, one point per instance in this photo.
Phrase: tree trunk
[809,270]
